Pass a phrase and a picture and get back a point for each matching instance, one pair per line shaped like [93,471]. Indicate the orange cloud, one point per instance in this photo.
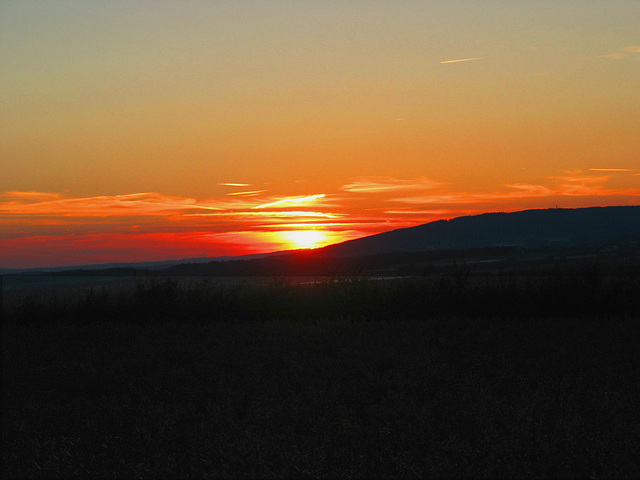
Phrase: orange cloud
[613,56]
[251,193]
[441,212]
[611,170]
[273,214]
[575,184]
[389,184]
[576,177]
[299,201]
[31,196]
[35,213]
[620,56]
[101,206]
[134,204]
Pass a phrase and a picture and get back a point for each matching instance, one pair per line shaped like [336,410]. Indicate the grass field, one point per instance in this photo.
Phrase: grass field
[325,380]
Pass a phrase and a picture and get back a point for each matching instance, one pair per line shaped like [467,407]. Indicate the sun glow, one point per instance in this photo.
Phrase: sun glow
[305,238]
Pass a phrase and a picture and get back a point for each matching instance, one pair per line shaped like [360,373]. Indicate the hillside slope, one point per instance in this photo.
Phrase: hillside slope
[525,228]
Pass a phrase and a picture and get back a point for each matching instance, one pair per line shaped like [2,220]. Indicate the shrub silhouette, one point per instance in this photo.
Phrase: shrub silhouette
[584,291]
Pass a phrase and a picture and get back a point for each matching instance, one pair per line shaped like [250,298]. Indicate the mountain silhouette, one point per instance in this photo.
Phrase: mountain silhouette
[526,228]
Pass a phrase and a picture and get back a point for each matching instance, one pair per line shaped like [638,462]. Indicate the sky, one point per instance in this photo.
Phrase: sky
[155,130]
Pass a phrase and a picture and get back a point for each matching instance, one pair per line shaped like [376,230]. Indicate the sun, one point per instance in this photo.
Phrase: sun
[305,238]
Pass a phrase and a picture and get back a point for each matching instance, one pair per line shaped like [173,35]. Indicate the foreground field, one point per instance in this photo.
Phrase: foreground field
[456,396]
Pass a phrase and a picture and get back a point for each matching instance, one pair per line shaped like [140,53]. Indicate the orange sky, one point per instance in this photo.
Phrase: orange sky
[136,131]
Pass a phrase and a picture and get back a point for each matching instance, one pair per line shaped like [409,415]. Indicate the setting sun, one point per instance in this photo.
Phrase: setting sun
[305,238]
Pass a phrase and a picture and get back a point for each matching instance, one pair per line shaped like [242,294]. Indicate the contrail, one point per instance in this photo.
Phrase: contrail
[611,170]
[462,60]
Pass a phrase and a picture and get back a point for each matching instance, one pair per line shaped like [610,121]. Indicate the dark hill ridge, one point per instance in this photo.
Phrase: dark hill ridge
[526,228]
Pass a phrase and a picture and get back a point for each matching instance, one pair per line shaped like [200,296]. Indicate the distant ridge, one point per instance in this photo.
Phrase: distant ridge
[526,228]
[126,267]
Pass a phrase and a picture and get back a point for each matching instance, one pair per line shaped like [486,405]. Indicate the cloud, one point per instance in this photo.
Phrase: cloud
[528,190]
[577,185]
[620,56]
[148,204]
[234,184]
[583,179]
[31,213]
[462,60]
[31,196]
[270,213]
[611,170]
[100,206]
[389,184]
[437,212]
[292,201]
[247,194]
[144,203]
[443,198]
[613,56]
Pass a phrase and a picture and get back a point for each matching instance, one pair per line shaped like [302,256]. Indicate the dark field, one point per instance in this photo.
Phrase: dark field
[406,378]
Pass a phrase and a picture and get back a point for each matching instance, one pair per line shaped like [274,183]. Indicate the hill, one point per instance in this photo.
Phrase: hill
[528,228]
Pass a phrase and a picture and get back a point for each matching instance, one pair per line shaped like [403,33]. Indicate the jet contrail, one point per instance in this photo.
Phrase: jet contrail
[611,170]
[462,60]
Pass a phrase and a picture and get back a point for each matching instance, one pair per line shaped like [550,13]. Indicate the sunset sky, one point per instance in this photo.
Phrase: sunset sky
[155,130]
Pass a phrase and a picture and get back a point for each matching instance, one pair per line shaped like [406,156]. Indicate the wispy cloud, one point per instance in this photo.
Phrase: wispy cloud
[611,170]
[613,56]
[31,196]
[575,184]
[100,206]
[582,185]
[457,198]
[528,190]
[247,194]
[623,53]
[270,213]
[23,213]
[234,184]
[389,184]
[144,204]
[292,201]
[462,60]
[582,179]
[437,212]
